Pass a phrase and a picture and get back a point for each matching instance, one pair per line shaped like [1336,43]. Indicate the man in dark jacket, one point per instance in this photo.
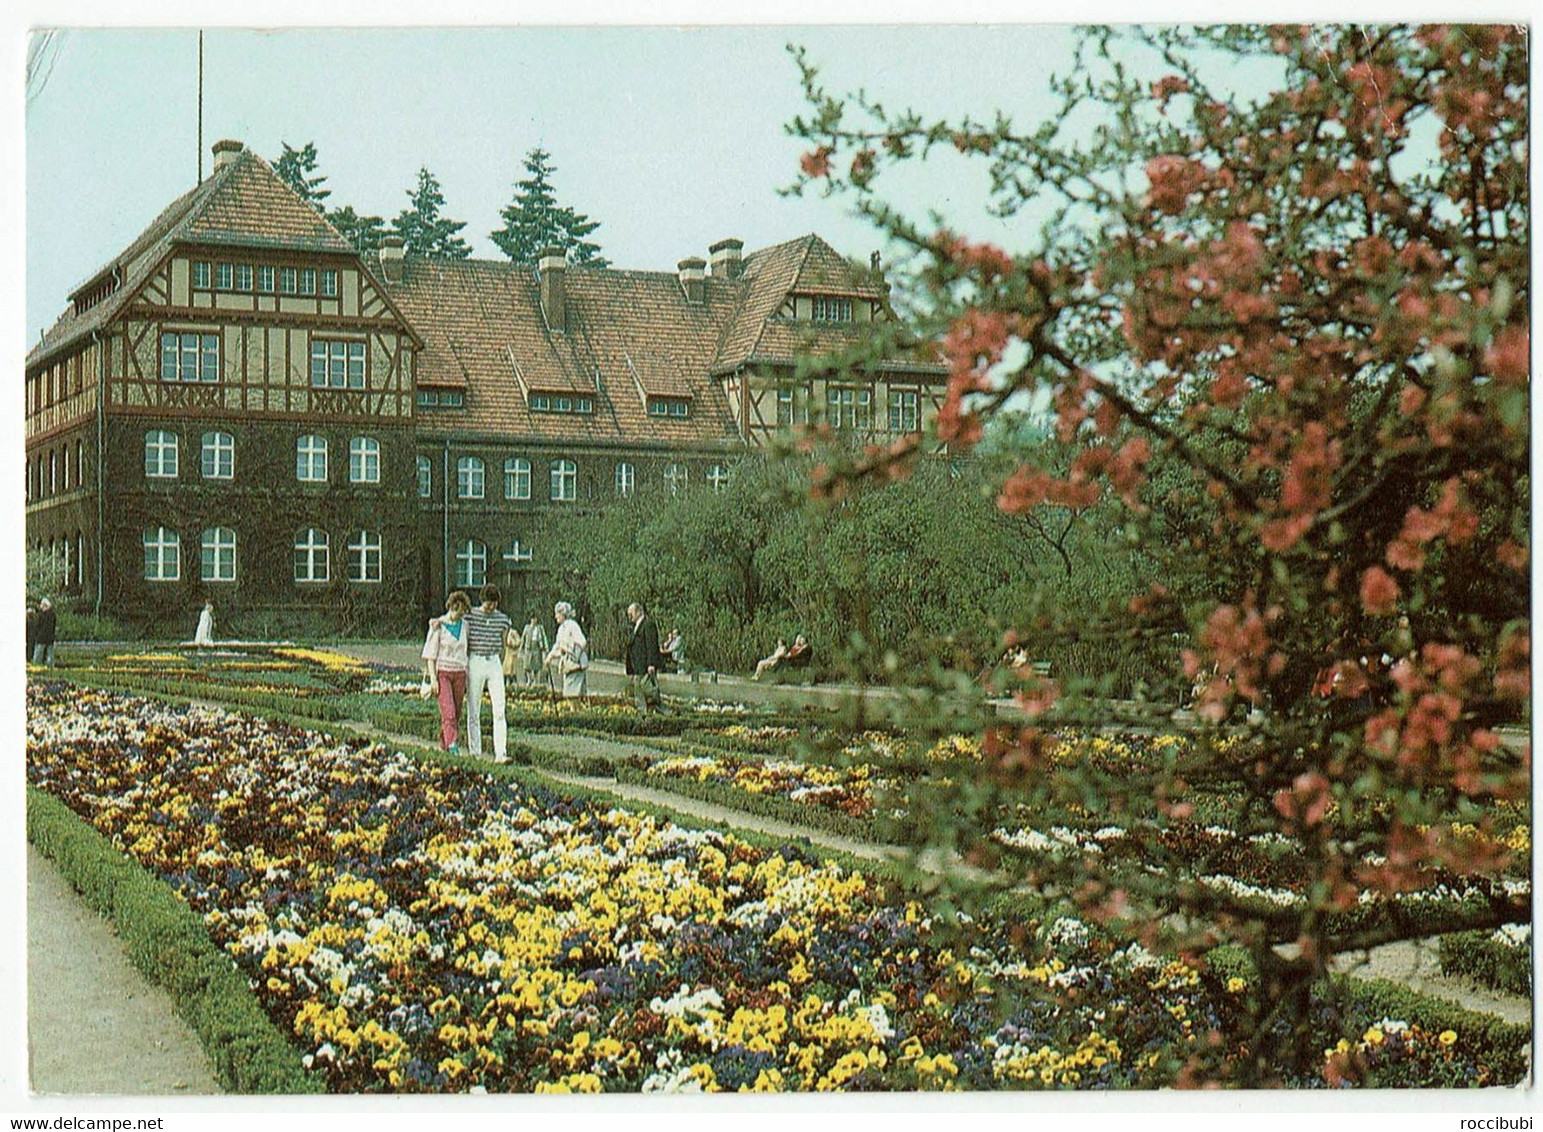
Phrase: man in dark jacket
[43,628]
[643,659]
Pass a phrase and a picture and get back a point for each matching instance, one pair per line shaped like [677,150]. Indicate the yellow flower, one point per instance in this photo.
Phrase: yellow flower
[1374,1036]
[1235,985]
[1447,1037]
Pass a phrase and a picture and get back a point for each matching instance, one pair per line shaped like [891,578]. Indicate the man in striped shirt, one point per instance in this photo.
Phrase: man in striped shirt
[487,632]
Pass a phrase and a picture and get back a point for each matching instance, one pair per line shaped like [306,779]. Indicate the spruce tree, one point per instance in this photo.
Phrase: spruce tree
[423,230]
[534,220]
[297,169]
[363,232]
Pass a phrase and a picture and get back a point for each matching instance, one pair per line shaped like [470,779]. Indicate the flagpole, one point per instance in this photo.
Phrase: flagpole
[200,108]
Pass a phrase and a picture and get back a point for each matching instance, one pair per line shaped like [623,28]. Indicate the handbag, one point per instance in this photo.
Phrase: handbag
[426,689]
[511,655]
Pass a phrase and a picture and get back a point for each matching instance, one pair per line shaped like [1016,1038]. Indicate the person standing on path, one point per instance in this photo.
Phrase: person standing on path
[204,634]
[570,652]
[43,627]
[533,646]
[487,633]
[444,663]
[32,629]
[643,659]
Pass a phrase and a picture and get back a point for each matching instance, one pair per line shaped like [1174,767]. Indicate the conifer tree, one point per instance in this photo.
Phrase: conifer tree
[534,220]
[297,169]
[363,232]
[423,230]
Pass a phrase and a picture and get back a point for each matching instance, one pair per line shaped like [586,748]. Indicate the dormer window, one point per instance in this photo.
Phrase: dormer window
[560,403]
[832,308]
[441,399]
[677,407]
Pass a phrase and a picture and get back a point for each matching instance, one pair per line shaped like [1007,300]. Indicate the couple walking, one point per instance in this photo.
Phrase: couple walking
[462,655]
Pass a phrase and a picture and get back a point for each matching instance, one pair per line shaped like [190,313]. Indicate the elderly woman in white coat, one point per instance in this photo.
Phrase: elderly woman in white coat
[570,651]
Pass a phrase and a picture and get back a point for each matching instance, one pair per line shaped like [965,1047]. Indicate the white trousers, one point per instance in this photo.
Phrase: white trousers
[488,671]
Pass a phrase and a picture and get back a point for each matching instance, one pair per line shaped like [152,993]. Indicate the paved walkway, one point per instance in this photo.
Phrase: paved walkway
[94,1025]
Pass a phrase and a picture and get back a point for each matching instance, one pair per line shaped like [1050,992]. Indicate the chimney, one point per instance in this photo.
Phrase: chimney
[554,290]
[726,261]
[226,152]
[393,253]
[691,278]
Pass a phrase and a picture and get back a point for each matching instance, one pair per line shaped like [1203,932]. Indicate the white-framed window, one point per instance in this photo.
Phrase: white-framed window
[626,478]
[219,456]
[308,281]
[516,478]
[329,283]
[313,558]
[832,308]
[266,279]
[190,357]
[243,276]
[555,403]
[289,280]
[364,460]
[311,459]
[565,481]
[80,462]
[676,476]
[364,557]
[669,407]
[425,477]
[337,364]
[53,472]
[217,555]
[718,477]
[161,454]
[470,477]
[163,555]
[515,554]
[80,560]
[904,410]
[201,276]
[847,407]
[471,564]
[224,276]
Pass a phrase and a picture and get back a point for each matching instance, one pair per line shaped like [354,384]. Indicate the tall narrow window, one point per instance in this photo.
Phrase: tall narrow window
[425,477]
[364,460]
[329,283]
[470,478]
[218,555]
[243,276]
[675,476]
[311,459]
[517,478]
[201,275]
[626,478]
[364,557]
[224,275]
[265,279]
[80,462]
[53,472]
[565,481]
[163,555]
[313,561]
[308,281]
[161,454]
[904,410]
[471,564]
[80,560]
[288,280]
[219,456]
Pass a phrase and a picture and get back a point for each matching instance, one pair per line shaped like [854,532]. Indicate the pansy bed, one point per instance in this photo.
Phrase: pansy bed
[422,926]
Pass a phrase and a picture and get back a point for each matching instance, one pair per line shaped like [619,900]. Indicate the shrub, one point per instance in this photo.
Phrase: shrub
[1492,962]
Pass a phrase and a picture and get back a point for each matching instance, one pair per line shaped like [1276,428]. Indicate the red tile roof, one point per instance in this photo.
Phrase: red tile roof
[243,203]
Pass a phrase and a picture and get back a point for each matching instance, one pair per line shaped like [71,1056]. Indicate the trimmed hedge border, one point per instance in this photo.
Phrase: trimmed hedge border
[1476,956]
[167,941]
[766,805]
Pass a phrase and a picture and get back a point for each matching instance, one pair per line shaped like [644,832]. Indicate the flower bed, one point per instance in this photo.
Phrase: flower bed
[419,926]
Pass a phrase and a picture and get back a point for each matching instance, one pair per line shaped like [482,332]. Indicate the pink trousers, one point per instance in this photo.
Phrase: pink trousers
[452,690]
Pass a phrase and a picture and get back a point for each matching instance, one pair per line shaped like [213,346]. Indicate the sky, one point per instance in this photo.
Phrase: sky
[672,138]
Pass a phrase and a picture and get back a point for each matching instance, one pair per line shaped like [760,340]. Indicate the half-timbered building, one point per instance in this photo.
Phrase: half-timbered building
[242,408]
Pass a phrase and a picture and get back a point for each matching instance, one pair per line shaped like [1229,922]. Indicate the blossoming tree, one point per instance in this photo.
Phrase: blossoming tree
[1277,311]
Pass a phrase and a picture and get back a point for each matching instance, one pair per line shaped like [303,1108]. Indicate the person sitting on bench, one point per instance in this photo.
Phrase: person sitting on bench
[770,663]
[799,655]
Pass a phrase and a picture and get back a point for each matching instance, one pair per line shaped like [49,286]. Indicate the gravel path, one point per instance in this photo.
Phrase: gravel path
[1417,965]
[94,1025]
[583,746]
